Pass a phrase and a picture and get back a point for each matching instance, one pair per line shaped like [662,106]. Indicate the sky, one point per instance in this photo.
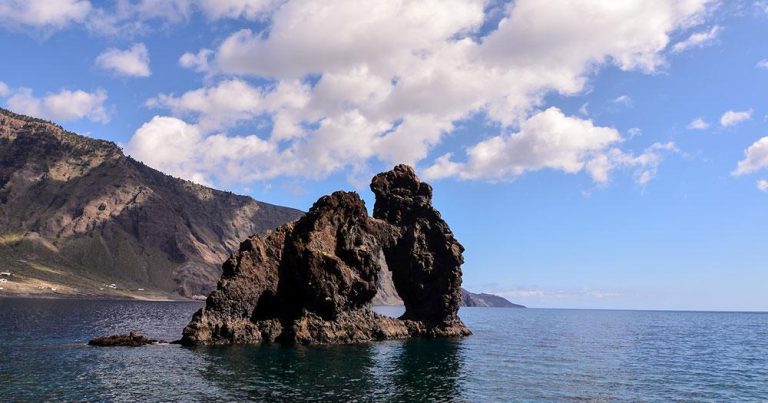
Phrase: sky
[588,154]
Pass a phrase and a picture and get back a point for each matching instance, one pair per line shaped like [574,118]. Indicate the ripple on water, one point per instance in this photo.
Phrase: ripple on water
[524,354]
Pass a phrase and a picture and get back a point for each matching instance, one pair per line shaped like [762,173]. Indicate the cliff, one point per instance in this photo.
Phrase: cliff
[77,215]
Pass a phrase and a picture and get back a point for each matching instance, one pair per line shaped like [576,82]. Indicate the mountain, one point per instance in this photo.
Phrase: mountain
[387,295]
[77,215]
[486,300]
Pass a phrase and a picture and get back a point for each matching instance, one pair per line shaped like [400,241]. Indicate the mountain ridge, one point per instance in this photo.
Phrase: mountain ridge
[75,209]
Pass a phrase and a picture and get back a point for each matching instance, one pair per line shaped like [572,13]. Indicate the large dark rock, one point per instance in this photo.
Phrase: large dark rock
[313,281]
[426,259]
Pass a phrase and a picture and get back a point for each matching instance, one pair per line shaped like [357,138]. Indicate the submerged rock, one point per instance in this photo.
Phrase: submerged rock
[312,281]
[131,339]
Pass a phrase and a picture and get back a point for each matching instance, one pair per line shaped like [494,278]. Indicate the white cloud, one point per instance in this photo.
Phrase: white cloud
[132,62]
[140,16]
[197,61]
[180,149]
[248,9]
[731,118]
[403,73]
[65,105]
[762,185]
[4,90]
[698,124]
[233,101]
[548,139]
[551,140]
[762,64]
[698,40]
[756,158]
[45,14]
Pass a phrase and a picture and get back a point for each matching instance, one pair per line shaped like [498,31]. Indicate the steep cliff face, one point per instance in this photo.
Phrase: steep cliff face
[326,266]
[76,213]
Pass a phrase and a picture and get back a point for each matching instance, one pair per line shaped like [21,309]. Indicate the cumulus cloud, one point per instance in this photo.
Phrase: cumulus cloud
[180,149]
[698,124]
[547,140]
[140,16]
[731,118]
[551,140]
[132,62]
[65,105]
[762,185]
[44,14]
[233,101]
[698,40]
[197,61]
[762,64]
[755,158]
[402,74]
[4,90]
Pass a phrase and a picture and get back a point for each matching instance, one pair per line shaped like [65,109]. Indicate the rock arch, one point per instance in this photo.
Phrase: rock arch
[312,281]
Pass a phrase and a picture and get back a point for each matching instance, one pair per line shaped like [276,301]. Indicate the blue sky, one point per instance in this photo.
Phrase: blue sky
[587,154]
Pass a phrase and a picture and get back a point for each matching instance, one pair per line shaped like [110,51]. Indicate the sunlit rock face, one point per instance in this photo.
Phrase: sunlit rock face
[312,281]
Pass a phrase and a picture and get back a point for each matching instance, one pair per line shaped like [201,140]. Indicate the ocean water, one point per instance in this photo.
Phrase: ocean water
[515,354]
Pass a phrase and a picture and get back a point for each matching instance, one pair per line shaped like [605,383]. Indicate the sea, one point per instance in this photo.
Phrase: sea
[513,355]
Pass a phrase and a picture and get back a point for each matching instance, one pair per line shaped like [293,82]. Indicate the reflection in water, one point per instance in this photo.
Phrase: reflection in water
[427,370]
[416,370]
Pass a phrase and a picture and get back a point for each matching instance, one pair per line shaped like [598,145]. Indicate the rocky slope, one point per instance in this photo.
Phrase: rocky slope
[485,300]
[76,214]
[387,295]
[312,281]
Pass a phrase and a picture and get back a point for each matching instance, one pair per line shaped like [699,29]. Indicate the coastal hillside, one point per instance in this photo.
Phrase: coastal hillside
[79,217]
[486,300]
[387,295]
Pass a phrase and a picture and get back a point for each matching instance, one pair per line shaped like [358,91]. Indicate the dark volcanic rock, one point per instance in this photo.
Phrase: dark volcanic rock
[312,281]
[426,259]
[131,339]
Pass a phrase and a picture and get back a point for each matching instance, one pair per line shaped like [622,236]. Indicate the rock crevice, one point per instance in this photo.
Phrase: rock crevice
[312,281]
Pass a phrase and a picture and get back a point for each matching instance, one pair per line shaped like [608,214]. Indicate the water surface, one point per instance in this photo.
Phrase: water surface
[515,354]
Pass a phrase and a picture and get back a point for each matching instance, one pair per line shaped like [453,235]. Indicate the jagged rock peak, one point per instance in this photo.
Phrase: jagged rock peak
[398,192]
[312,281]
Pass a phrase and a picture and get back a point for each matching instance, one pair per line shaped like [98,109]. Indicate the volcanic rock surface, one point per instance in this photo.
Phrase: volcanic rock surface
[312,281]
[131,339]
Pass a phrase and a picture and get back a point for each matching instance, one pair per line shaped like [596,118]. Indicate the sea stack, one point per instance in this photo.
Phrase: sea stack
[312,280]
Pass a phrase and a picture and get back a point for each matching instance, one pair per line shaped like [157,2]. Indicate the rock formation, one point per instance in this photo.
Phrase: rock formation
[132,339]
[312,281]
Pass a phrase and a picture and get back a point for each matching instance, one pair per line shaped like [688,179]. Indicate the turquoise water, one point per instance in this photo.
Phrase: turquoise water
[515,354]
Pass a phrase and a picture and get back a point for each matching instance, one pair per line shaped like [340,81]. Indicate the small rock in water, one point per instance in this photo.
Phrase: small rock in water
[132,339]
